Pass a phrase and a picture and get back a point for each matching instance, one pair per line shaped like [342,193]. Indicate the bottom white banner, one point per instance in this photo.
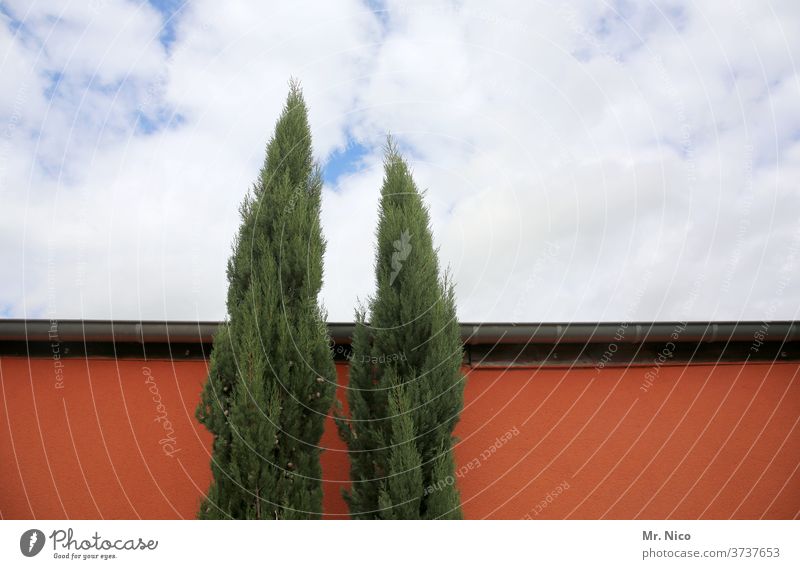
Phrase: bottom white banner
[351,544]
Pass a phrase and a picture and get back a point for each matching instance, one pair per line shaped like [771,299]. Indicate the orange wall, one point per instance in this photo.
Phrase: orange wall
[702,442]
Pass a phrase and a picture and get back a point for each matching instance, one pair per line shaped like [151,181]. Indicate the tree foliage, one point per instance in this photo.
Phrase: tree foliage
[406,389]
[271,377]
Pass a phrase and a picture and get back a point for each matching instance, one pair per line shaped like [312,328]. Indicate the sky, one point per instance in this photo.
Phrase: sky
[583,161]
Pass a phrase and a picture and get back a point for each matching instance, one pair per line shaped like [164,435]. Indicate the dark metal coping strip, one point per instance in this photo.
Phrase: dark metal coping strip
[122,331]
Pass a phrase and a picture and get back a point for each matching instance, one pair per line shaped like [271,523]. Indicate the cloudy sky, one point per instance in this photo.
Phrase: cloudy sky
[604,161]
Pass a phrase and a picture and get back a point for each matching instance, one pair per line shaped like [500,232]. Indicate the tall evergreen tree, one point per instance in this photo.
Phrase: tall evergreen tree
[271,378]
[406,388]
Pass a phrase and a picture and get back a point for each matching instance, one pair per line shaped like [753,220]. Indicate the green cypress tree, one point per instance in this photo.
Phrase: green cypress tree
[406,389]
[271,378]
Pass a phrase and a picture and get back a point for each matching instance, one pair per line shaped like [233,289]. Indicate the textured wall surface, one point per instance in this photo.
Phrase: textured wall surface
[89,440]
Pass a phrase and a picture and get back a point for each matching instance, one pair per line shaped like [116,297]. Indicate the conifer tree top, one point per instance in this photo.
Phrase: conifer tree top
[289,150]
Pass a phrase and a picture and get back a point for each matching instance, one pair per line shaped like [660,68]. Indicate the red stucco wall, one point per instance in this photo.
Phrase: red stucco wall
[702,442]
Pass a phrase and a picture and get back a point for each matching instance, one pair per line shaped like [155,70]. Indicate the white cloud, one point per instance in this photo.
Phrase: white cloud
[588,163]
